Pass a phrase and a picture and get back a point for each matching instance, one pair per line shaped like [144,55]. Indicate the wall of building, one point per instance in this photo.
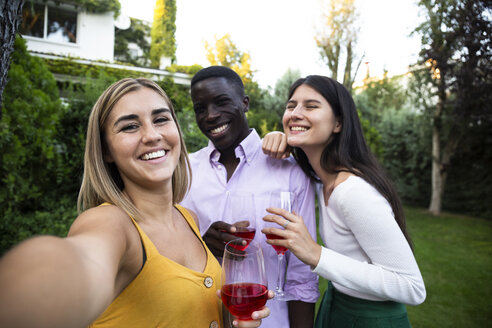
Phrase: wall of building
[95,39]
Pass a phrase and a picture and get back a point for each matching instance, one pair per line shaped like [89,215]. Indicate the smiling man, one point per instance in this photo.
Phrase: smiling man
[233,163]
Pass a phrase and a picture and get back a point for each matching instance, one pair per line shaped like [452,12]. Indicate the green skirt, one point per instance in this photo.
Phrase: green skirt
[338,310]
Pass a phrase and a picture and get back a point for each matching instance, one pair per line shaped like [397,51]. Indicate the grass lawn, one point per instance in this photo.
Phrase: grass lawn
[454,254]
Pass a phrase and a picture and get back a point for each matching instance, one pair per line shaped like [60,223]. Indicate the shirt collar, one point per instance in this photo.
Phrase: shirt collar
[248,148]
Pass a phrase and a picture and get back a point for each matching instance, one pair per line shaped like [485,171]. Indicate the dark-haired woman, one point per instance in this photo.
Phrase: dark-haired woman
[367,255]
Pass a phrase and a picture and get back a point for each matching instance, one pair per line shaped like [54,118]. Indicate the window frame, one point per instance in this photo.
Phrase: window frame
[46,6]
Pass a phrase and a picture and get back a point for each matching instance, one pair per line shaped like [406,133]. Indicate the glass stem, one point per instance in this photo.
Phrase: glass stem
[280,278]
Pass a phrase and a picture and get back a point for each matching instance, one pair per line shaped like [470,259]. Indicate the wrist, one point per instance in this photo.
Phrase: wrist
[315,257]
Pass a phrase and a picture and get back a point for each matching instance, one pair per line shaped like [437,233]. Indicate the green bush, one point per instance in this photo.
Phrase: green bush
[31,164]
[469,183]
[31,111]
[73,126]
[406,149]
[15,226]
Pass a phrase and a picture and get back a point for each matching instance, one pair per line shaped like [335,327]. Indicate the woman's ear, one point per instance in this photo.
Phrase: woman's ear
[338,127]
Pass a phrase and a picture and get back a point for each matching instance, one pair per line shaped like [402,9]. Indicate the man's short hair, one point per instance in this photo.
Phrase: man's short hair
[219,71]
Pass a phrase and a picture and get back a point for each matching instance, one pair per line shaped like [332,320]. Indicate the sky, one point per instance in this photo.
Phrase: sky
[280,34]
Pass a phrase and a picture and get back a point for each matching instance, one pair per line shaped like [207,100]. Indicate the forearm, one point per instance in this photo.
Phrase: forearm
[401,284]
[301,314]
[44,283]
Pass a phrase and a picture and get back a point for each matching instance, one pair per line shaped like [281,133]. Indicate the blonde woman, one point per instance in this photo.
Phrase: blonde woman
[132,258]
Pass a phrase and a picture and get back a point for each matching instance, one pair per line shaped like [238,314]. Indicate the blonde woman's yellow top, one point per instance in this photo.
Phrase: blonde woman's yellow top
[167,294]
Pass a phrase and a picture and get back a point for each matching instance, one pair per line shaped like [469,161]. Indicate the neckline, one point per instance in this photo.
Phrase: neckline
[152,251]
[326,202]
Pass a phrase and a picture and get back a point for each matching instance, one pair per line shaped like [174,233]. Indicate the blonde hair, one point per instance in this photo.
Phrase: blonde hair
[101,181]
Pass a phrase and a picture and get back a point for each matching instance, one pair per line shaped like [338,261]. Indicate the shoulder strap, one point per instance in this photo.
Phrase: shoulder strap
[189,218]
[149,247]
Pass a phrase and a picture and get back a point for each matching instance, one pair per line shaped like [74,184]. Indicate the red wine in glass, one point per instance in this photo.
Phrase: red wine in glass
[243,279]
[247,233]
[242,299]
[244,232]
[278,249]
[284,200]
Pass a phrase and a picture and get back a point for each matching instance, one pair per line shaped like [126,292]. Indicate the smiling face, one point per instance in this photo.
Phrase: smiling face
[309,121]
[220,112]
[142,138]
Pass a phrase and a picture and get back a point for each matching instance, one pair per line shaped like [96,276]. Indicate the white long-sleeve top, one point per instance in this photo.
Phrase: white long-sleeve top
[366,254]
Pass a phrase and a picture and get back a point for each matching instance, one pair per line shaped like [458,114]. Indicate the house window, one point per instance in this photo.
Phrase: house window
[50,23]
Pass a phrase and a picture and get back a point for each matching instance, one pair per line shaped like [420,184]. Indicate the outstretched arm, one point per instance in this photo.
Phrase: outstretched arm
[61,282]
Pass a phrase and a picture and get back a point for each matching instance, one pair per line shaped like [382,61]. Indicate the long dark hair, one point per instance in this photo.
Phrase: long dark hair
[348,149]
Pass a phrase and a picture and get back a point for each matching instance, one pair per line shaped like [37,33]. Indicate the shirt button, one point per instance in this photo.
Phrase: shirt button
[214,324]
[208,282]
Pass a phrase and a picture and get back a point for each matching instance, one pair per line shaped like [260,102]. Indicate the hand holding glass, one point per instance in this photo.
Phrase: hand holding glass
[281,200]
[244,282]
[238,211]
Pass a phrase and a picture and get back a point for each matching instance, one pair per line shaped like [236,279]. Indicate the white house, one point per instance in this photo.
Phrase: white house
[68,30]
[59,29]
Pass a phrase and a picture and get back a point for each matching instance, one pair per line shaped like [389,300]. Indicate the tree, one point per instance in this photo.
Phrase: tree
[338,38]
[10,17]
[225,53]
[163,42]
[276,102]
[380,95]
[456,49]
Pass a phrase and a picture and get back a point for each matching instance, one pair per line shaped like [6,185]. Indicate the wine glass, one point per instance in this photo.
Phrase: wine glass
[284,200]
[239,209]
[243,279]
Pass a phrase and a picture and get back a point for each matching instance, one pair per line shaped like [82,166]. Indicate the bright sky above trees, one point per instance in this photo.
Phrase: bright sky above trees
[279,34]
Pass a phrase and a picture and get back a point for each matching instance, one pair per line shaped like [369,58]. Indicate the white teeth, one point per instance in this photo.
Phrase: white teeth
[298,128]
[153,155]
[220,128]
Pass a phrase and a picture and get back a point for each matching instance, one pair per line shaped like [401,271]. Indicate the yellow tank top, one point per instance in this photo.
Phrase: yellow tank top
[167,294]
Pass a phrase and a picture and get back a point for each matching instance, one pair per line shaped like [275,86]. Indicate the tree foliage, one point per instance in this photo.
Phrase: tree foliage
[30,155]
[98,6]
[139,34]
[456,38]
[163,31]
[405,144]
[338,39]
[402,142]
[380,95]
[225,53]
[269,117]
[32,109]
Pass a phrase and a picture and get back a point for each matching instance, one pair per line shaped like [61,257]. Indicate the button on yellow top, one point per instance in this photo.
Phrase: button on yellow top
[208,282]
